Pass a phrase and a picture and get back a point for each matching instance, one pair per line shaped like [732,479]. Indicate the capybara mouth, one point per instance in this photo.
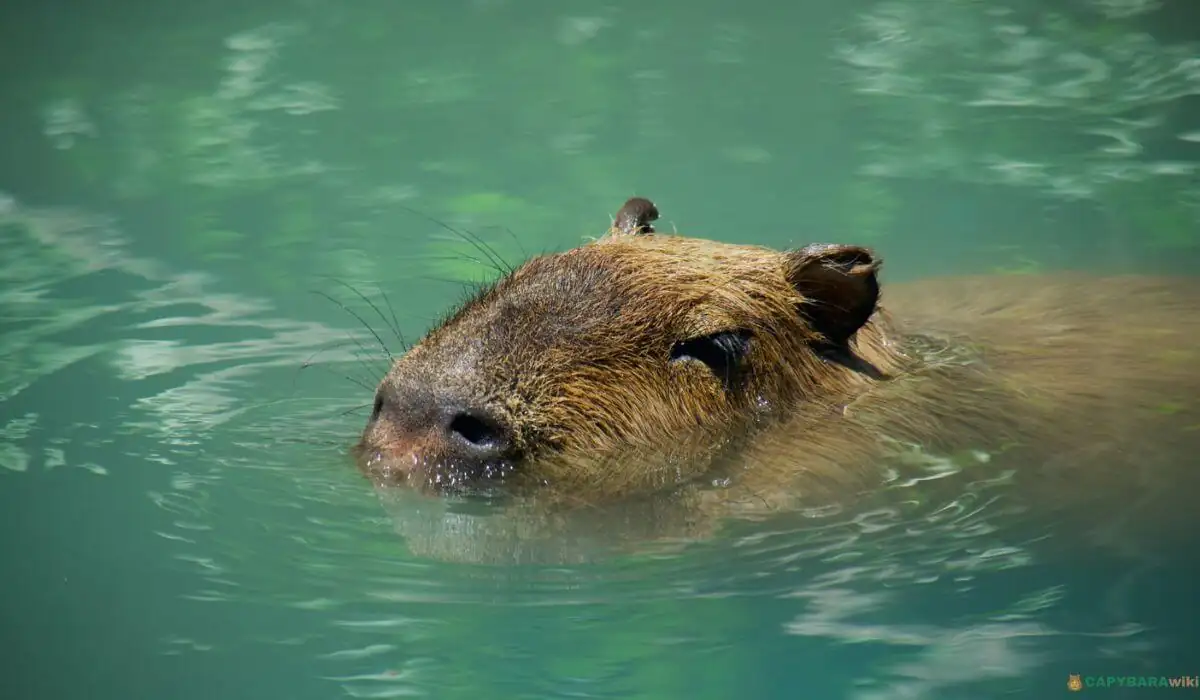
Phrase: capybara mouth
[407,465]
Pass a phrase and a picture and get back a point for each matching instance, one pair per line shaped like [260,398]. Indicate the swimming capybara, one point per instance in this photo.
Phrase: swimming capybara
[740,380]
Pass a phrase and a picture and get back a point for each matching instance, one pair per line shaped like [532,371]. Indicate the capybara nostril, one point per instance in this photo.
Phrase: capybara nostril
[478,434]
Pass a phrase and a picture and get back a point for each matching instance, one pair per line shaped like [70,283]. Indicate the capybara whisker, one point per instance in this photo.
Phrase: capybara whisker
[392,325]
[395,322]
[358,381]
[382,345]
[470,238]
[354,409]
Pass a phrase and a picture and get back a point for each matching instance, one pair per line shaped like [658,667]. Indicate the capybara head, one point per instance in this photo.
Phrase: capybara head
[568,369]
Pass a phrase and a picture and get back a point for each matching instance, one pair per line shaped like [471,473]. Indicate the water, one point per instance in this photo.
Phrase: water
[188,193]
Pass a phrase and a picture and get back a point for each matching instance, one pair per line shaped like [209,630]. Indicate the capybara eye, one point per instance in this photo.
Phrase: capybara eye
[377,408]
[722,353]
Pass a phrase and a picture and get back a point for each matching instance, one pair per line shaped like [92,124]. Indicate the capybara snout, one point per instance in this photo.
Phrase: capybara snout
[432,432]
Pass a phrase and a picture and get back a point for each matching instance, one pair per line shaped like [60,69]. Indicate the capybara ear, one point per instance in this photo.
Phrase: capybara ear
[839,286]
[634,217]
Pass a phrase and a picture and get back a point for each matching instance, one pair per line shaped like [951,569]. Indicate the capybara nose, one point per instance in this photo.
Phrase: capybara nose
[440,429]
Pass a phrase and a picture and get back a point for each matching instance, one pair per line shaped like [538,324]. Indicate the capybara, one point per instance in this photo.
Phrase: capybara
[740,380]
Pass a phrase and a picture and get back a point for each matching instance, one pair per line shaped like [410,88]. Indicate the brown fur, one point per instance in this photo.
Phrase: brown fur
[572,354]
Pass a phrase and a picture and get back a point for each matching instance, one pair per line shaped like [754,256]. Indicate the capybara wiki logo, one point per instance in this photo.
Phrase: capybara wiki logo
[1077,682]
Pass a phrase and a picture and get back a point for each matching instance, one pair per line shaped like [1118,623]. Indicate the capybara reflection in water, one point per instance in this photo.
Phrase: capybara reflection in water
[738,379]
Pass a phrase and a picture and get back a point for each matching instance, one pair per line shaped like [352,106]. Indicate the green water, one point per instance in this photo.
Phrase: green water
[191,194]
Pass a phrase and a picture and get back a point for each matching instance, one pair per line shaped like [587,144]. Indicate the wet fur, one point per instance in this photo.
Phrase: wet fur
[1085,386]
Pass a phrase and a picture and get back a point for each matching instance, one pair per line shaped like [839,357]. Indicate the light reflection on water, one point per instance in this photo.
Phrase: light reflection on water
[261,507]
